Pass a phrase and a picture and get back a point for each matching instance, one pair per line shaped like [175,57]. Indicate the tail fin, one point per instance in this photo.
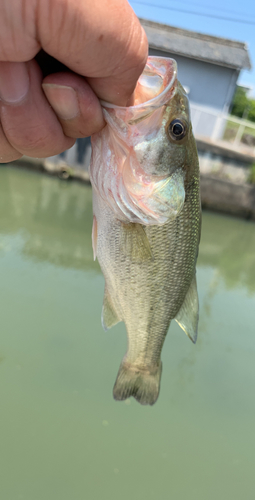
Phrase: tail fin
[142,384]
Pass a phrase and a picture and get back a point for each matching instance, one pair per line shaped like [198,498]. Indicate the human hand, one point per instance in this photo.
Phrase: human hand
[101,40]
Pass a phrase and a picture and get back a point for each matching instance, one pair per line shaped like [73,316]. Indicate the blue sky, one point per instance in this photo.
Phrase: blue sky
[221,19]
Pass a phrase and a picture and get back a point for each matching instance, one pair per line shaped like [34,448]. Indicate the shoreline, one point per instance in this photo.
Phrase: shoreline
[217,193]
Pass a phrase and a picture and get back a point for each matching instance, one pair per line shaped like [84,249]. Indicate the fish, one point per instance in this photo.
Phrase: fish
[146,223]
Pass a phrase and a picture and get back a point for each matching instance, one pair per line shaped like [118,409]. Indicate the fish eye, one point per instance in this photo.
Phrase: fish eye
[177,129]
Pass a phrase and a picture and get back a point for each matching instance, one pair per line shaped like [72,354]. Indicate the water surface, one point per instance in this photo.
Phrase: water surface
[62,436]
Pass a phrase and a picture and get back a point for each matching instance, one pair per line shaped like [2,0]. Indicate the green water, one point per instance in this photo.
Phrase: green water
[62,436]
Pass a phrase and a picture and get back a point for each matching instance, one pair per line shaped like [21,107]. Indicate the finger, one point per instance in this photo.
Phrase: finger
[75,104]
[29,123]
[7,152]
[101,40]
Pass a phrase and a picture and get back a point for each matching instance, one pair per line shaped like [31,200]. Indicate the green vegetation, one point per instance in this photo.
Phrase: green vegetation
[251,178]
[243,107]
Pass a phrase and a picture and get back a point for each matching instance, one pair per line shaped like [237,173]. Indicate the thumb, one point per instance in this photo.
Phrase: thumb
[101,40]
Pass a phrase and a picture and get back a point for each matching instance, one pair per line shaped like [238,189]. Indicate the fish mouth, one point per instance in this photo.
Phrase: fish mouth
[154,88]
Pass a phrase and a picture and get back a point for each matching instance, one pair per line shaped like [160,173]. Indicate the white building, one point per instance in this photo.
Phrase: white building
[208,68]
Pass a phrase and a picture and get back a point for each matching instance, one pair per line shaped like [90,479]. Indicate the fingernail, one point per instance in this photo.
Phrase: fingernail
[62,99]
[14,82]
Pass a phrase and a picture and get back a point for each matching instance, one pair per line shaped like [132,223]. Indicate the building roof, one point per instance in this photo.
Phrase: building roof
[188,43]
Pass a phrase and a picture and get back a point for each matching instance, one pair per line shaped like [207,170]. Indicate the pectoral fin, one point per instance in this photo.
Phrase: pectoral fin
[187,317]
[109,316]
[94,237]
[135,243]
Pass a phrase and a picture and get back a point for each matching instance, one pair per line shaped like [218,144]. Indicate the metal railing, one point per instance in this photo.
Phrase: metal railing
[219,126]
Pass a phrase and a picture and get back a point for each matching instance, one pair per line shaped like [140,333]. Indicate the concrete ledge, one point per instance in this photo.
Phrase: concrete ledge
[228,150]
[225,196]
[61,169]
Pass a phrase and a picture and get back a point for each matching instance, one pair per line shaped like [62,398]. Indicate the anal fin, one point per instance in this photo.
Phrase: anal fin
[187,317]
[109,316]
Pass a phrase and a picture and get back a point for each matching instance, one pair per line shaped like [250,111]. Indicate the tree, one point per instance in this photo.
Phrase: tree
[242,106]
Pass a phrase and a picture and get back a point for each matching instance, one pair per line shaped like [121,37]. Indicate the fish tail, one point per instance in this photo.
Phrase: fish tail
[143,384]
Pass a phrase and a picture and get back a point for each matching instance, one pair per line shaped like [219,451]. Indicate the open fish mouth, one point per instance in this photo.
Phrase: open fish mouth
[154,88]
[117,172]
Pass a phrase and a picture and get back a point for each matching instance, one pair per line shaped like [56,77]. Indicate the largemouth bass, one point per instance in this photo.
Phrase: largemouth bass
[147,217]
